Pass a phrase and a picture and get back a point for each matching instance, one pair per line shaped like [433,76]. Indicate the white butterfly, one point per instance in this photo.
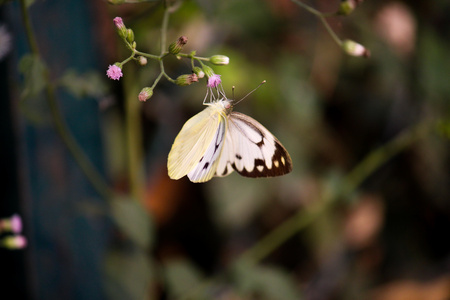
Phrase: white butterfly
[217,141]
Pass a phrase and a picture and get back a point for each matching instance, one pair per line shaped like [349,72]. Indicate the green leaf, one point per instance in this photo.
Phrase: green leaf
[128,274]
[89,84]
[181,276]
[132,220]
[265,282]
[33,70]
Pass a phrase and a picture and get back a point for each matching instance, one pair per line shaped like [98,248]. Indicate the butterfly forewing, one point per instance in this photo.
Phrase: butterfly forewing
[252,150]
[207,165]
[192,142]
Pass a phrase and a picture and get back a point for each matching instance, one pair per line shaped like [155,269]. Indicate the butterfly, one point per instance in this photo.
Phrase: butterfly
[218,141]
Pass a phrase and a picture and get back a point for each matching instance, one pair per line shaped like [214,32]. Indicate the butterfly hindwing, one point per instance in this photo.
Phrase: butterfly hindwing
[193,141]
[252,150]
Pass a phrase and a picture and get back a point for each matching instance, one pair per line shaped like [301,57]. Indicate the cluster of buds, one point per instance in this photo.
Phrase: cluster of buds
[15,240]
[115,71]
[125,33]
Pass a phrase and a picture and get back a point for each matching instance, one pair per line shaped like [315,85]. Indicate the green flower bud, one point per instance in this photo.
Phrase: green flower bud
[145,94]
[176,47]
[208,71]
[199,72]
[347,7]
[130,35]
[353,48]
[219,59]
[186,79]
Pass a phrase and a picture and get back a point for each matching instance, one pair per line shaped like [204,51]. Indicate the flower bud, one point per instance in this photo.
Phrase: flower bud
[142,60]
[219,59]
[13,224]
[176,47]
[145,94]
[347,7]
[353,48]
[120,26]
[14,242]
[199,72]
[130,35]
[186,79]
[208,70]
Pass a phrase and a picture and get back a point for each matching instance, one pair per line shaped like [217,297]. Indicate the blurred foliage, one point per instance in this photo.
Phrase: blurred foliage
[367,205]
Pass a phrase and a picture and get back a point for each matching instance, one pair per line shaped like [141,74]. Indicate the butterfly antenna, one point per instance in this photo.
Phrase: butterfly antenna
[232,92]
[249,92]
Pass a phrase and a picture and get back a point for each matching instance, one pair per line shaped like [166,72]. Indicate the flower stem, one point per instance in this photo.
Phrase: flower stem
[133,137]
[164,25]
[321,17]
[83,162]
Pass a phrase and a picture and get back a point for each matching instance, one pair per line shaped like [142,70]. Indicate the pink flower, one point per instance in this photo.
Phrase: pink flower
[145,94]
[13,224]
[14,242]
[114,72]
[16,223]
[214,80]
[119,23]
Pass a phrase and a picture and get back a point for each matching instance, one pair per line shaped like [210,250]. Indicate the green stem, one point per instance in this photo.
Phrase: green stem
[133,136]
[351,182]
[330,31]
[282,233]
[380,155]
[163,72]
[28,28]
[157,80]
[165,24]
[83,162]
[152,56]
[321,17]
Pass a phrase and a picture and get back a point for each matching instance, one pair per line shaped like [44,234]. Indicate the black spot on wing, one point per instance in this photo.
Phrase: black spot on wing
[281,164]
[206,166]
[238,156]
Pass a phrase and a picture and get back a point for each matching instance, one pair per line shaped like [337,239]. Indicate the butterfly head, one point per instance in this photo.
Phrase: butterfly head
[227,104]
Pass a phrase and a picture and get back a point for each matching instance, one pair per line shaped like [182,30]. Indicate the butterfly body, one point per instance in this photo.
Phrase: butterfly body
[218,140]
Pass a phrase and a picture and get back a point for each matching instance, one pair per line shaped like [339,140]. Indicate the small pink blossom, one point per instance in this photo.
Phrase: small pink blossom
[16,224]
[13,224]
[145,94]
[214,81]
[119,23]
[114,72]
